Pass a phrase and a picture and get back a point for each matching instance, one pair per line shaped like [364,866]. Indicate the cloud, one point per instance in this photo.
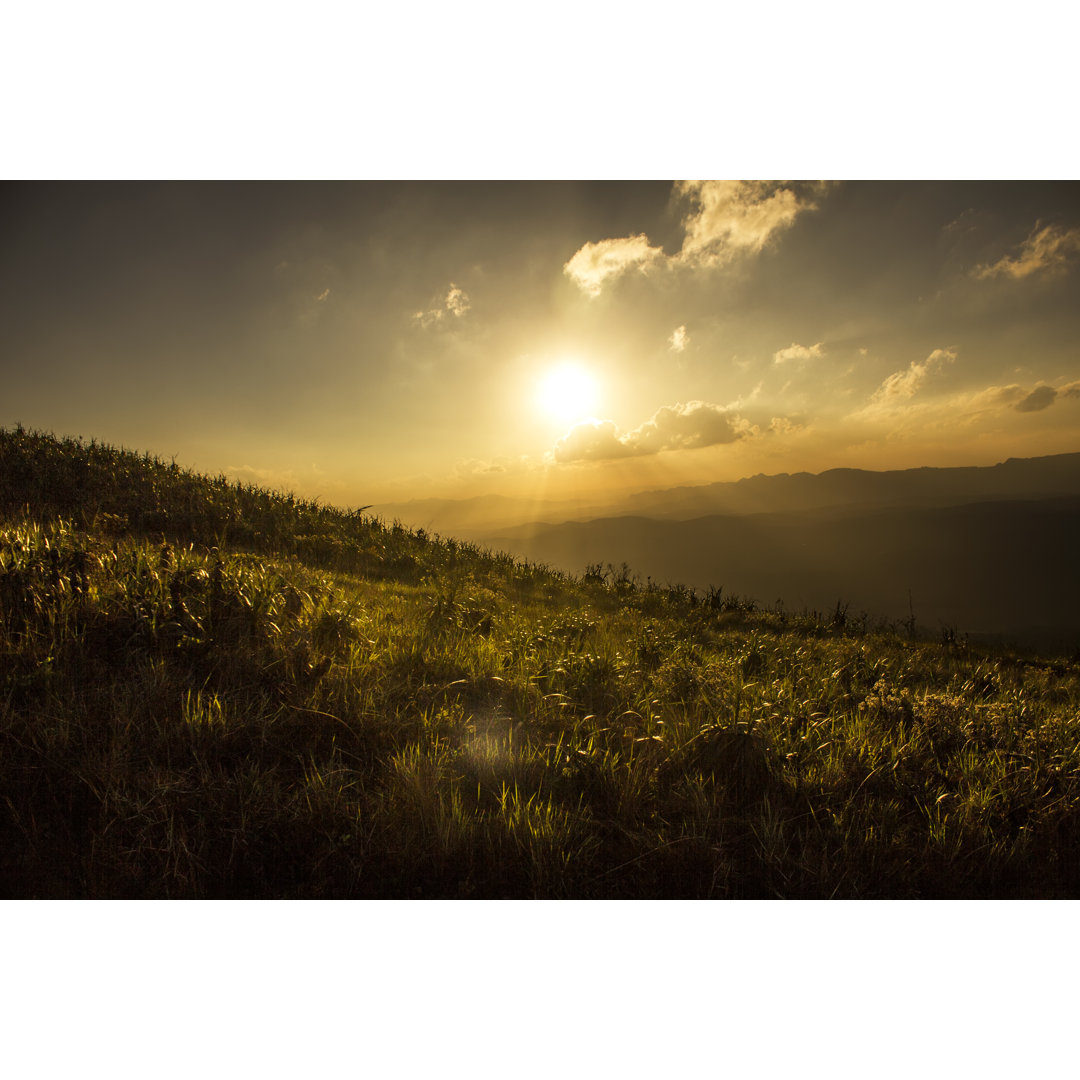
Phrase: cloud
[457,303]
[799,352]
[903,385]
[1042,397]
[996,401]
[679,339]
[687,427]
[785,425]
[470,467]
[725,219]
[595,263]
[684,426]
[1048,249]
[591,440]
[454,305]
[989,411]
[994,397]
[729,217]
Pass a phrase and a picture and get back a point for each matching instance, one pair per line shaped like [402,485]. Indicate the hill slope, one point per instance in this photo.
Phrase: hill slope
[209,690]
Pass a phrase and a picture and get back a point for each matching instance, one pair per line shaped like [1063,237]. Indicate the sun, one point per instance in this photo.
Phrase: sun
[567,393]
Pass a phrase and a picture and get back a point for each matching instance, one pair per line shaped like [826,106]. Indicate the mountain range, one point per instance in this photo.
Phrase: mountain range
[988,551]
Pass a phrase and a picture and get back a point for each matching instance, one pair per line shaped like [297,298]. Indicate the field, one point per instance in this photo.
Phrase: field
[209,690]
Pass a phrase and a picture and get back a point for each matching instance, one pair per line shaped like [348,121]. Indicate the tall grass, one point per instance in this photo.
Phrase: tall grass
[210,690]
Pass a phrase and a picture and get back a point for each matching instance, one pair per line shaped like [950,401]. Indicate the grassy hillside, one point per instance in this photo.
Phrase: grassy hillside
[211,690]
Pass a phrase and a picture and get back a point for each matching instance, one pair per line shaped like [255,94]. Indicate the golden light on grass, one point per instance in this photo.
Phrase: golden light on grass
[567,392]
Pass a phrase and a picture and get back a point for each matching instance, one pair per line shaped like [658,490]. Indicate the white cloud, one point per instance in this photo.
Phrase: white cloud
[901,386]
[687,427]
[799,352]
[457,303]
[595,263]
[785,425]
[728,217]
[679,339]
[591,440]
[684,426]
[725,219]
[1048,249]
[991,405]
[454,305]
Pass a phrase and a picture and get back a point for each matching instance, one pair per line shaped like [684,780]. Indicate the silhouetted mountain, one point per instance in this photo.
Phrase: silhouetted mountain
[984,550]
[1014,479]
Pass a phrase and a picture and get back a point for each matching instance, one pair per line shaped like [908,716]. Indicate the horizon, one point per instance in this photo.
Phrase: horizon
[766,476]
[383,342]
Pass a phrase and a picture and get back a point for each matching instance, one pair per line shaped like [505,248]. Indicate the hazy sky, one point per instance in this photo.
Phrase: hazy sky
[379,341]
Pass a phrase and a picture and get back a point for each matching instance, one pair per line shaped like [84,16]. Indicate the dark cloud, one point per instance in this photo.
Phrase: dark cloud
[1042,397]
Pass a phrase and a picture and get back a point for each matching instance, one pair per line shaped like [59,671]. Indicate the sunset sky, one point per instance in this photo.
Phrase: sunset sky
[368,342]
[380,341]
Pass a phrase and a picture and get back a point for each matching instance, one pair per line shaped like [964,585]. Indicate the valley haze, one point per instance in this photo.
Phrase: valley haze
[986,551]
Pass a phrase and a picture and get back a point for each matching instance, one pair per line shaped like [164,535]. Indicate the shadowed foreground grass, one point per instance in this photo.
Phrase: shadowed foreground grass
[210,690]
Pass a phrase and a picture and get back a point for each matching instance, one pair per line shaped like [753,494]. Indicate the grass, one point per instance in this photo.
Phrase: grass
[208,690]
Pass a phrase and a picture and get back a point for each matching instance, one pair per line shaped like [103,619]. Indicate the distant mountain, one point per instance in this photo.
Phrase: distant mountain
[1007,567]
[1014,479]
[471,517]
[983,550]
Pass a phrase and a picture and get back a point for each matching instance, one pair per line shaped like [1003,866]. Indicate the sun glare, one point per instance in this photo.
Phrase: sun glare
[567,393]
